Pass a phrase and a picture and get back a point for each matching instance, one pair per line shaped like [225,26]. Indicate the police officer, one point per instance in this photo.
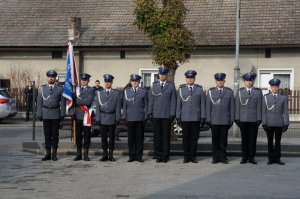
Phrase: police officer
[135,112]
[219,116]
[84,99]
[275,120]
[162,109]
[108,111]
[248,102]
[190,114]
[51,106]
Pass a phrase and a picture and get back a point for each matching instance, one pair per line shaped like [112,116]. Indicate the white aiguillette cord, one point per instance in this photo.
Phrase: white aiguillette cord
[267,104]
[241,100]
[212,101]
[185,100]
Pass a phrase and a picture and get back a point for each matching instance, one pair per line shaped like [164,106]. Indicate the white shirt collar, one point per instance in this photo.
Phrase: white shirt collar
[162,82]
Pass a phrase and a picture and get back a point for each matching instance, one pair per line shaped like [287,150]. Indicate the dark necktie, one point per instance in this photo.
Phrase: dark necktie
[275,96]
[220,91]
[191,89]
[249,92]
[162,85]
[51,87]
[107,92]
[135,90]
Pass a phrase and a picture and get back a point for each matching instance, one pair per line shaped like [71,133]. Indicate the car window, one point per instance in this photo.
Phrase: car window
[5,93]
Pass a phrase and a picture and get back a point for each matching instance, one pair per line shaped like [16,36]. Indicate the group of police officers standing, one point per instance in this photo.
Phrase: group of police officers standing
[190,105]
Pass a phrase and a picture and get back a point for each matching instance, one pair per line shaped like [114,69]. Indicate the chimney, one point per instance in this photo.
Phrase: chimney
[74,30]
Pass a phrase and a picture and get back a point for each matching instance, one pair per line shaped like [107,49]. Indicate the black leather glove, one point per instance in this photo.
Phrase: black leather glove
[265,127]
[285,128]
[73,117]
[258,122]
[237,122]
[178,121]
[40,118]
[150,116]
[74,97]
[117,122]
[230,124]
[202,122]
[208,124]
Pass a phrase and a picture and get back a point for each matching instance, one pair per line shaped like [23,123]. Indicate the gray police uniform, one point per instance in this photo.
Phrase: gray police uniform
[275,116]
[248,117]
[162,105]
[220,117]
[85,98]
[51,107]
[108,111]
[135,111]
[190,110]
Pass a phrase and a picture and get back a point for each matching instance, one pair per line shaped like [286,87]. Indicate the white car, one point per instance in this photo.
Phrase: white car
[7,105]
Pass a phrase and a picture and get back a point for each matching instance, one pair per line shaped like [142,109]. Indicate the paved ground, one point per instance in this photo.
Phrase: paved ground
[23,175]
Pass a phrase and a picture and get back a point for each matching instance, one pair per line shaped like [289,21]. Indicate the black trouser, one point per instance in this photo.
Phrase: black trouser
[28,107]
[219,142]
[249,137]
[86,135]
[135,139]
[110,130]
[162,128]
[274,153]
[190,136]
[51,132]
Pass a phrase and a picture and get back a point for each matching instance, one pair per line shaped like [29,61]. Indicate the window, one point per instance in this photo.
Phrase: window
[122,54]
[286,77]
[57,54]
[148,77]
[61,78]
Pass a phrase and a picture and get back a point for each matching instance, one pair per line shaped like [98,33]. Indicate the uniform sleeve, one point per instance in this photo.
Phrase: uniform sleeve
[97,107]
[150,102]
[146,105]
[124,105]
[118,108]
[39,103]
[286,111]
[88,100]
[173,101]
[237,106]
[208,108]
[264,111]
[232,107]
[203,107]
[179,105]
[259,106]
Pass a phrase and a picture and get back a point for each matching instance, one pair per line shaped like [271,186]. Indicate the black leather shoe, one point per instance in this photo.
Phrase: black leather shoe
[252,161]
[86,154]
[111,156]
[243,161]
[54,154]
[104,156]
[270,162]
[154,158]
[140,160]
[78,155]
[130,160]
[194,161]
[225,161]
[185,161]
[214,162]
[164,161]
[158,160]
[47,156]
[279,162]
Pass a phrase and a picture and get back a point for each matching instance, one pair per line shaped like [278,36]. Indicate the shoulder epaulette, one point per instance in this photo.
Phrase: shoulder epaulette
[241,88]
[228,88]
[211,88]
[258,89]
[197,85]
[44,85]
[182,85]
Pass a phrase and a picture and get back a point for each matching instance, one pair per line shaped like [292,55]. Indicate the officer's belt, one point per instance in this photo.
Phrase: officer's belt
[107,112]
[51,107]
